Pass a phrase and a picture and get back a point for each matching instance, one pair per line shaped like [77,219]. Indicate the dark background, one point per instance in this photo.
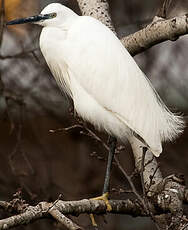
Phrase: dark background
[43,164]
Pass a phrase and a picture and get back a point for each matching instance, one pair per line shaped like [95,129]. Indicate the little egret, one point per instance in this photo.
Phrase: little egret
[106,85]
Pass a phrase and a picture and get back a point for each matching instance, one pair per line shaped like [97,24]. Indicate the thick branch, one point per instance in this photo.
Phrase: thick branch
[155,33]
[152,173]
[97,9]
[60,208]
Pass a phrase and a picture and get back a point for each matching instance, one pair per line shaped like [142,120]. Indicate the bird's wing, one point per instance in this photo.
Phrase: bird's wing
[53,56]
[105,69]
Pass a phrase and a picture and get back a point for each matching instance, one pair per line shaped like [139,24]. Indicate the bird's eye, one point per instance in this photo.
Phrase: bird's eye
[53,15]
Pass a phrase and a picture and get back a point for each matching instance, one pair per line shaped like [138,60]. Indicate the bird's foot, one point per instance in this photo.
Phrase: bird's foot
[93,220]
[104,197]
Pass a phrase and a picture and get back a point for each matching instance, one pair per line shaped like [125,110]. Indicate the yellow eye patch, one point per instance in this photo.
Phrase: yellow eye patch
[53,15]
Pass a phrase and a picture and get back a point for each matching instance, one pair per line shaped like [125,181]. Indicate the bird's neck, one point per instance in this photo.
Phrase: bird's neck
[68,22]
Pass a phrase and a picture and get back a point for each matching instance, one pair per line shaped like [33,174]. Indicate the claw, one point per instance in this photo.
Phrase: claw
[104,197]
[93,220]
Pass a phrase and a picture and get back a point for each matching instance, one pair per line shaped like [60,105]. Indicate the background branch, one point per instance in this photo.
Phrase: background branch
[155,33]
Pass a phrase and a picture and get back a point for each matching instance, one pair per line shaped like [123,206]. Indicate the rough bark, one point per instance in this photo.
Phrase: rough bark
[59,208]
[158,31]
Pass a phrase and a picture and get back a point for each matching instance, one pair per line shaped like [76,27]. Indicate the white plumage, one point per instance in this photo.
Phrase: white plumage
[107,87]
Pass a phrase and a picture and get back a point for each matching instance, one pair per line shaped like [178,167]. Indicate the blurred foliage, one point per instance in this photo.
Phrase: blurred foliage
[18,9]
[172,8]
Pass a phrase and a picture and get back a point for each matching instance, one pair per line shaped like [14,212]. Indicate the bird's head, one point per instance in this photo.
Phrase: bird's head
[54,14]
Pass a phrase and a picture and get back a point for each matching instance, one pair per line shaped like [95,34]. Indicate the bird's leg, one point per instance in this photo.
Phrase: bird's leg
[112,146]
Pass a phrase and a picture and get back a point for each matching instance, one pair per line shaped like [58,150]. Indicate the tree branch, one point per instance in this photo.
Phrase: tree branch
[97,9]
[63,219]
[155,33]
[60,208]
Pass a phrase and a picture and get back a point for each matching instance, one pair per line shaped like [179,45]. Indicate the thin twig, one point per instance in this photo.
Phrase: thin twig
[53,204]
[131,183]
[142,176]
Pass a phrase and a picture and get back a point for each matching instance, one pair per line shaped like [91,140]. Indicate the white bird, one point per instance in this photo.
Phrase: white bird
[106,85]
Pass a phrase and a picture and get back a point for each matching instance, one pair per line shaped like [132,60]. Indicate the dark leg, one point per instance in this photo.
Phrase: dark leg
[112,146]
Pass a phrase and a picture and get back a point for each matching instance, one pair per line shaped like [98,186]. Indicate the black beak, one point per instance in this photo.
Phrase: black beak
[31,19]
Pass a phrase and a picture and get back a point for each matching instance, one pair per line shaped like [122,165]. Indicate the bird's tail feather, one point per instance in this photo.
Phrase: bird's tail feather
[173,124]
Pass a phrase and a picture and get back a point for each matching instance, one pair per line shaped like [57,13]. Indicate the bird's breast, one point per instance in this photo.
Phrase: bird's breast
[51,36]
